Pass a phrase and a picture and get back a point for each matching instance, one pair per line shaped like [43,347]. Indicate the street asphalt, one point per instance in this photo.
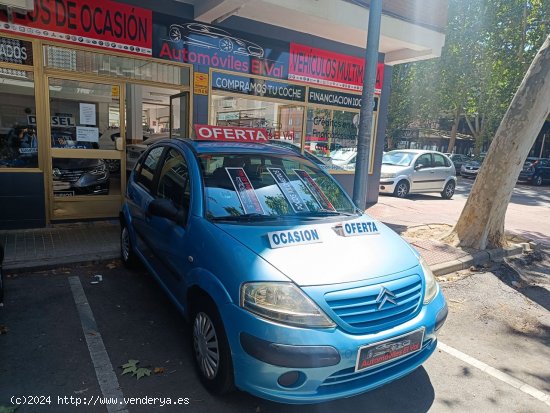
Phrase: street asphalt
[500,318]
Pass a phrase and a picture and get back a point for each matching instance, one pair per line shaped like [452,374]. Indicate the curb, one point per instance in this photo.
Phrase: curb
[43,264]
[477,258]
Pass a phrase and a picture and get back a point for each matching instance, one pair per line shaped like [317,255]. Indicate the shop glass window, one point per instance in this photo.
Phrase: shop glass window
[119,66]
[83,115]
[283,122]
[18,132]
[83,176]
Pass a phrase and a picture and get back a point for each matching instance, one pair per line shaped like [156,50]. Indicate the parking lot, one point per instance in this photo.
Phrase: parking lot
[494,356]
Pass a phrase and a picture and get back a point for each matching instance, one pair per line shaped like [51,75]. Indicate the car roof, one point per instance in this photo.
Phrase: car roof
[206,147]
[415,151]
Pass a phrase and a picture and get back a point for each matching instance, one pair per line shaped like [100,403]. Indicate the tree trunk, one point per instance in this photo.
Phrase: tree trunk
[454,129]
[481,223]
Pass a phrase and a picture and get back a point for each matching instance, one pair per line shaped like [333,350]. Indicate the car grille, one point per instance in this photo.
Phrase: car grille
[359,308]
[349,378]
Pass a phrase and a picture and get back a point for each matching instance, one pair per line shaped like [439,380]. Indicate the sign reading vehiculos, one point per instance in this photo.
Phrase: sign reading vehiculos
[323,67]
[98,23]
[232,134]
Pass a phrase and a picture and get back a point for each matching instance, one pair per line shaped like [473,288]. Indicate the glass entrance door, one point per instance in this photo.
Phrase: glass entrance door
[87,167]
[179,109]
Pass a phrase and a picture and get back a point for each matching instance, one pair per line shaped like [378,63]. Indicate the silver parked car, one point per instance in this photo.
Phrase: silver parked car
[417,171]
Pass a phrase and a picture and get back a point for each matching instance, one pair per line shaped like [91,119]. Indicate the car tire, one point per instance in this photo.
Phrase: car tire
[127,254]
[449,190]
[537,180]
[211,352]
[401,189]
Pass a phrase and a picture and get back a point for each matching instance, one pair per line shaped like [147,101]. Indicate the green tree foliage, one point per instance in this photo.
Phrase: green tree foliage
[489,46]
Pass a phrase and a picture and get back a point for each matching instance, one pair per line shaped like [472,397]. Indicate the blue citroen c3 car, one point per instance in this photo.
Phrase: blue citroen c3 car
[293,294]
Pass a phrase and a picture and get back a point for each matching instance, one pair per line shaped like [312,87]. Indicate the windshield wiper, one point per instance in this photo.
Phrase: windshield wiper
[247,217]
[326,214]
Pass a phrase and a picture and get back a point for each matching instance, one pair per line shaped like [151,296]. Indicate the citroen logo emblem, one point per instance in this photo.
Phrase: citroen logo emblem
[384,296]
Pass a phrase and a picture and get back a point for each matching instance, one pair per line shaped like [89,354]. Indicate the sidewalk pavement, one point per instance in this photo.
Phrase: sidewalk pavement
[80,243]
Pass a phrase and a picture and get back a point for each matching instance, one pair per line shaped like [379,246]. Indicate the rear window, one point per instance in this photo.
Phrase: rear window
[266,184]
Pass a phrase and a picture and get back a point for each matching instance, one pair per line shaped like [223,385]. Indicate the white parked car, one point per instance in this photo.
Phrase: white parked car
[134,151]
[417,171]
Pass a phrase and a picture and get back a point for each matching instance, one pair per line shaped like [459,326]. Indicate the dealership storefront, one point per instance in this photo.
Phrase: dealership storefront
[82,83]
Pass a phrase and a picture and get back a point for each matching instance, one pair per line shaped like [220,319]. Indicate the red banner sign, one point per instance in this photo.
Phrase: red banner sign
[228,133]
[98,23]
[322,67]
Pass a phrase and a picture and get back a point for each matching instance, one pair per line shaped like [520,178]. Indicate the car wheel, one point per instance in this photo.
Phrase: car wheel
[211,349]
[401,189]
[127,254]
[449,190]
[537,180]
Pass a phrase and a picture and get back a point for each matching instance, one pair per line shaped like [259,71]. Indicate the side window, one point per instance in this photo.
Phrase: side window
[174,180]
[145,173]
[424,160]
[439,160]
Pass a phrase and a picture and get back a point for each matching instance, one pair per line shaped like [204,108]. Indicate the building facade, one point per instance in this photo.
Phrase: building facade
[85,85]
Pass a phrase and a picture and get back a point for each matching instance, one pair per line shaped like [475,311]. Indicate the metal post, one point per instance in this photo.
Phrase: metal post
[367,101]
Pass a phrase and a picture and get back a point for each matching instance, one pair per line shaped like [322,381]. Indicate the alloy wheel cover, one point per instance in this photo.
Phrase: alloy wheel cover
[206,346]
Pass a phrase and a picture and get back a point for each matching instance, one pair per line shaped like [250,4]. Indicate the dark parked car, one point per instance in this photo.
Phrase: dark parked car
[471,168]
[73,176]
[535,171]
[458,160]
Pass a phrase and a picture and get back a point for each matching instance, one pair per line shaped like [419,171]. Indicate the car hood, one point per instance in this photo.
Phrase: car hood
[75,163]
[337,259]
[392,169]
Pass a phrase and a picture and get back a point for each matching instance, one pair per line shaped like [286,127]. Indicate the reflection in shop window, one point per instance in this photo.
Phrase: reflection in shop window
[18,136]
[332,136]
[283,122]
[77,176]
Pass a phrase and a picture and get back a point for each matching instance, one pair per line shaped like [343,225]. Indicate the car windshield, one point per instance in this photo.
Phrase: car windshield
[259,186]
[398,158]
[343,154]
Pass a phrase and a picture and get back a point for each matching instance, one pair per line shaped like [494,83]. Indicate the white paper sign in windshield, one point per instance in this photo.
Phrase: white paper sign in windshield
[294,237]
[354,228]
[312,186]
[284,184]
[245,191]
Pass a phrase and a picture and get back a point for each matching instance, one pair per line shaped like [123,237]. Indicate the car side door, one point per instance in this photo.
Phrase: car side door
[443,168]
[423,174]
[545,168]
[168,222]
[141,189]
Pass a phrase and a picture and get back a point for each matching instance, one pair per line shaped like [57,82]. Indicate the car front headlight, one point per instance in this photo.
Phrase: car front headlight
[387,175]
[284,303]
[431,284]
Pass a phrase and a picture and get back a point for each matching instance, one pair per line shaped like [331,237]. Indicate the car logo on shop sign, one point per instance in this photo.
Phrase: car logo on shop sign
[384,296]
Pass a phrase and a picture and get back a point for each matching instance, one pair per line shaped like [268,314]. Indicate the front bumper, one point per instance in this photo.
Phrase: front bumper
[387,186]
[317,365]
[523,177]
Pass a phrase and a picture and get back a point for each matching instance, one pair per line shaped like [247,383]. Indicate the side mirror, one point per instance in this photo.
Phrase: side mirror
[164,208]
[119,144]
